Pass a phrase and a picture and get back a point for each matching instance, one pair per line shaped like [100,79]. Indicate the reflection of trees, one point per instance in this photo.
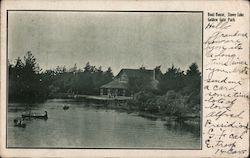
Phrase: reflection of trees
[182,128]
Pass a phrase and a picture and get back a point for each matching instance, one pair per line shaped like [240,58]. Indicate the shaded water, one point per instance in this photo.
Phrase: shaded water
[84,126]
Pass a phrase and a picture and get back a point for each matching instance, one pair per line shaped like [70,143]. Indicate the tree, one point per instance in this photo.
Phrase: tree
[142,67]
[61,70]
[158,73]
[108,75]
[15,76]
[172,80]
[30,64]
[93,69]
[193,78]
[87,68]
[73,69]
[193,86]
[26,82]
[99,70]
[193,70]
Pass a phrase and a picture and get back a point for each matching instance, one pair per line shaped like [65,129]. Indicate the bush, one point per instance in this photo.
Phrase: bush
[146,101]
[172,104]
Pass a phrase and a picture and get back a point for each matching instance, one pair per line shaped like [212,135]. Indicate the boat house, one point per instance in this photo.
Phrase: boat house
[120,84]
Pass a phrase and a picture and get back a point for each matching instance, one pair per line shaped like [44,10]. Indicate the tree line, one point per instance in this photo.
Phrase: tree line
[28,83]
[178,93]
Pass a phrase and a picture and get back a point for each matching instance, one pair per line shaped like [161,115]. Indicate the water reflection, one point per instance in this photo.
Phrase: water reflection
[85,126]
[182,128]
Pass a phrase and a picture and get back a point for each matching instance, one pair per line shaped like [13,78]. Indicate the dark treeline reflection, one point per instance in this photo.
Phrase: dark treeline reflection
[28,83]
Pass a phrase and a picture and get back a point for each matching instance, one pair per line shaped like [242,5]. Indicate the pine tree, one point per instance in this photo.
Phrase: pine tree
[87,68]
[172,80]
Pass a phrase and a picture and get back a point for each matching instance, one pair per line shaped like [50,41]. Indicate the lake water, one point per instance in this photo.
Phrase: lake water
[84,126]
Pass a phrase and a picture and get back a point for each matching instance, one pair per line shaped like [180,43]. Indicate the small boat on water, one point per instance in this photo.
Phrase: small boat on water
[65,107]
[35,115]
[18,122]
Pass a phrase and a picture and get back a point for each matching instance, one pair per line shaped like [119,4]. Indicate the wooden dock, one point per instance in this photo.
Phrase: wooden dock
[101,98]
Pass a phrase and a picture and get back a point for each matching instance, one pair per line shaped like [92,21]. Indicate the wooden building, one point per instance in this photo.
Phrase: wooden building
[120,85]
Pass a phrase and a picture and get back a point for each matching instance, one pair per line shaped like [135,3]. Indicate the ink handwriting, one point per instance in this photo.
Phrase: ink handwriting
[226,74]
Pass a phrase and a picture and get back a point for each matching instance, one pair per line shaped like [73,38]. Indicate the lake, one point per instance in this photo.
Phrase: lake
[85,126]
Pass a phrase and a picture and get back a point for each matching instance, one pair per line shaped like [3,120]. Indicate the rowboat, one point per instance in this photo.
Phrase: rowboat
[35,115]
[18,122]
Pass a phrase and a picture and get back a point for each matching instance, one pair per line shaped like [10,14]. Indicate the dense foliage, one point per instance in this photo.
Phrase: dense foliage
[25,80]
[28,83]
[178,91]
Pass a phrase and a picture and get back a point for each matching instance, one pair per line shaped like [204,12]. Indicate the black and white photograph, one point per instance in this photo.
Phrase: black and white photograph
[79,79]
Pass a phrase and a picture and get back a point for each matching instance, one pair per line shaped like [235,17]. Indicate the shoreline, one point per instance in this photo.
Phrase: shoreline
[122,105]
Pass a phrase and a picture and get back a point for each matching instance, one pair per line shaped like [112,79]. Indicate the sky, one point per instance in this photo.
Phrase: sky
[115,39]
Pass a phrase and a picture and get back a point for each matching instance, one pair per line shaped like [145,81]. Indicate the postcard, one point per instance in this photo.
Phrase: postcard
[124,78]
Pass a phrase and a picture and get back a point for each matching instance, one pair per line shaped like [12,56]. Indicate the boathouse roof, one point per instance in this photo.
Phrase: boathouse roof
[131,73]
[136,73]
[116,84]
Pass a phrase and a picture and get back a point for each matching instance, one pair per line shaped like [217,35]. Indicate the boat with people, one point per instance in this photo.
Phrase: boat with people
[65,107]
[35,115]
[19,122]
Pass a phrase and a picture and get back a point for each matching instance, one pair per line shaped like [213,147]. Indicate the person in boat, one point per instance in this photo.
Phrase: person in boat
[19,122]
[16,121]
[35,115]
[46,114]
[65,107]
